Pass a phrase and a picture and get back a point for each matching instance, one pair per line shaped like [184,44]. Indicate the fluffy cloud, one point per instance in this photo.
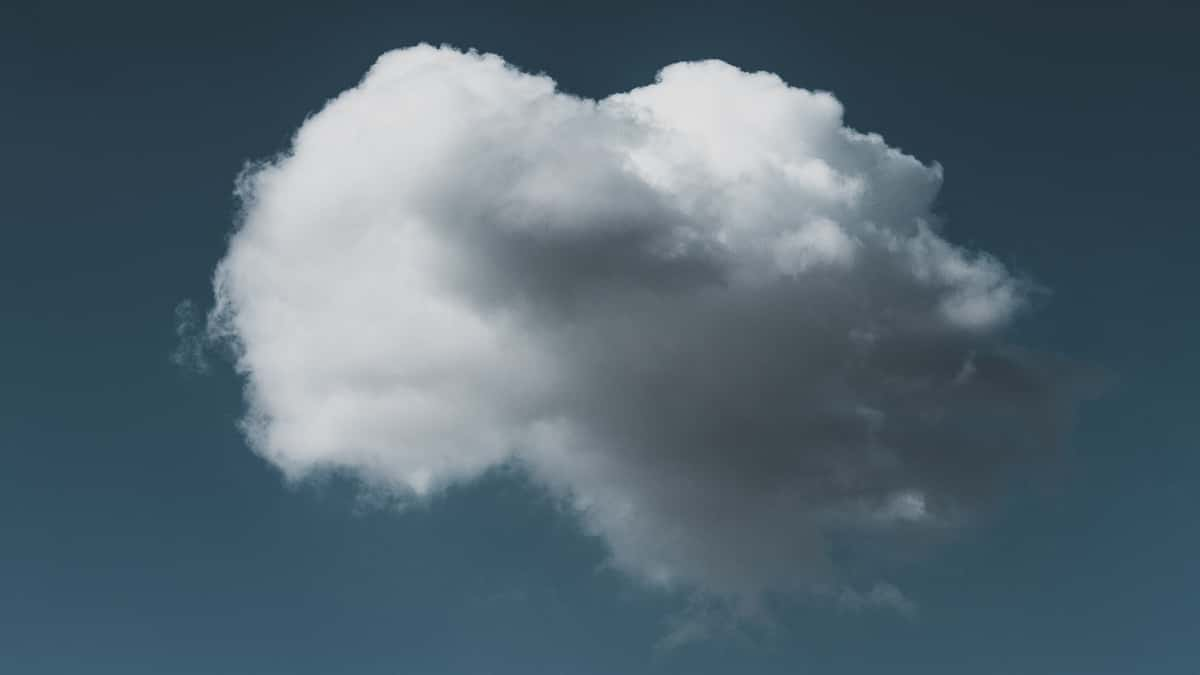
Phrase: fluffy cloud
[719,322]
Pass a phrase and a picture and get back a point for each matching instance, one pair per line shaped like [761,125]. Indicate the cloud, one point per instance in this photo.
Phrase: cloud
[721,324]
[190,339]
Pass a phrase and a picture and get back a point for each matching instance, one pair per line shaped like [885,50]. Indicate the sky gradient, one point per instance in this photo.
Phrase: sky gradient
[142,535]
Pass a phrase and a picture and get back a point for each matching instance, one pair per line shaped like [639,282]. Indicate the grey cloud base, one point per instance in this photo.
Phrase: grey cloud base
[721,324]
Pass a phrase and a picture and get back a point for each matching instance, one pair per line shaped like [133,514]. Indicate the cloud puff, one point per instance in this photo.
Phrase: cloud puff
[719,322]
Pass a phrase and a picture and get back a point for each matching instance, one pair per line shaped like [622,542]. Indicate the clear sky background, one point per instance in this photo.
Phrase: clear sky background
[139,534]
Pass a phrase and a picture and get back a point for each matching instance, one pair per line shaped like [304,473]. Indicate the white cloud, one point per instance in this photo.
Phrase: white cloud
[705,311]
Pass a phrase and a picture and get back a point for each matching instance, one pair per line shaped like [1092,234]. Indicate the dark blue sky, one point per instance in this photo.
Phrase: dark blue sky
[139,534]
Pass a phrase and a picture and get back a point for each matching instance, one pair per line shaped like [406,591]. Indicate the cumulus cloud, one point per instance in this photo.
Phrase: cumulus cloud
[724,326]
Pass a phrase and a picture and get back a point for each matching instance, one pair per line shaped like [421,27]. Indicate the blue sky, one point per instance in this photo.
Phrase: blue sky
[141,534]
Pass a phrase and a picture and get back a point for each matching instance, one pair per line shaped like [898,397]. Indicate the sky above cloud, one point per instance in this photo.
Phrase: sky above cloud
[728,330]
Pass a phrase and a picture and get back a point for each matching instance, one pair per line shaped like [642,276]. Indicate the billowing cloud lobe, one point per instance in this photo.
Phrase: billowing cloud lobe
[720,323]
